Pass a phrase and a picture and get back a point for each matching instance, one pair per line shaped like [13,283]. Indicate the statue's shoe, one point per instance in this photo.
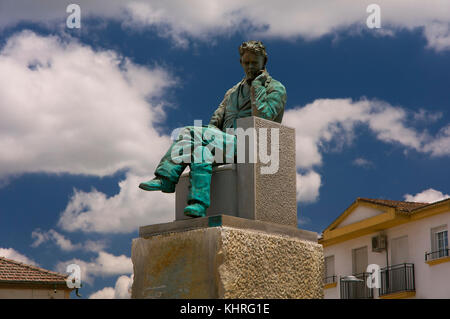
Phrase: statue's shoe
[195,210]
[158,184]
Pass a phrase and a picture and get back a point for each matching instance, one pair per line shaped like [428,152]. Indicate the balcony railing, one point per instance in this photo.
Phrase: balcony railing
[356,288]
[397,278]
[437,254]
[329,280]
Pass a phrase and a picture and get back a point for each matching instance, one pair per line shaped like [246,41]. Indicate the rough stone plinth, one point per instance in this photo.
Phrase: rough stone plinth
[226,257]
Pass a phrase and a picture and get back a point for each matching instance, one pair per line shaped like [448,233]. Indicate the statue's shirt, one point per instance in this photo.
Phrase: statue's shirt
[243,106]
[269,101]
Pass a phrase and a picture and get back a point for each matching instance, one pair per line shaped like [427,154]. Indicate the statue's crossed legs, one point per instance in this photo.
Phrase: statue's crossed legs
[200,148]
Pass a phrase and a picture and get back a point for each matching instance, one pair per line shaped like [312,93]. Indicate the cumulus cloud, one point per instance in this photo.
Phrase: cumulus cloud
[121,290]
[438,35]
[105,293]
[85,111]
[13,254]
[202,19]
[64,243]
[308,186]
[427,116]
[94,245]
[427,196]
[439,146]
[104,265]
[330,124]
[121,213]
[333,121]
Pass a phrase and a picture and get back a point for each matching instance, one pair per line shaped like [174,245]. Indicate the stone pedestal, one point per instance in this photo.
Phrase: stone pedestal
[248,245]
[226,257]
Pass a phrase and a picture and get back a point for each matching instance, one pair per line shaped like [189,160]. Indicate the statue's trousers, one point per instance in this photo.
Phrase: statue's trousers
[201,148]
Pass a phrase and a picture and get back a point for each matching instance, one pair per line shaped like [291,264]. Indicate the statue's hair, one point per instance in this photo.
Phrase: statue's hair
[255,47]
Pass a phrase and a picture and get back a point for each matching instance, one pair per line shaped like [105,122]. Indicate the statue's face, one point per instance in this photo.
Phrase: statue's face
[252,64]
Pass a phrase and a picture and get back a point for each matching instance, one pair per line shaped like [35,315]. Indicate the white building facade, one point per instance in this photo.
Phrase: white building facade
[408,241]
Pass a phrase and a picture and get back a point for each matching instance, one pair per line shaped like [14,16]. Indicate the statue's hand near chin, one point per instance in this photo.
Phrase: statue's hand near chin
[261,78]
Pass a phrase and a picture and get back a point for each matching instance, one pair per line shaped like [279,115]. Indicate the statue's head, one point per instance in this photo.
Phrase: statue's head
[253,58]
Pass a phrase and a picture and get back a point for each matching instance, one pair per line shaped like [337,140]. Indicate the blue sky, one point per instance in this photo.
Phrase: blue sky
[85,114]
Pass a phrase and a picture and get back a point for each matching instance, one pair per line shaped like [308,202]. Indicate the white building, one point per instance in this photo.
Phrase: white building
[409,241]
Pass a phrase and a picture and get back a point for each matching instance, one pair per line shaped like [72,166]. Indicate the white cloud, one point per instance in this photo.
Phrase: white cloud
[308,186]
[104,265]
[441,144]
[319,122]
[13,254]
[105,293]
[84,111]
[39,237]
[122,290]
[121,213]
[360,161]
[94,246]
[427,116]
[203,19]
[326,122]
[63,243]
[427,196]
[303,220]
[330,124]
[438,35]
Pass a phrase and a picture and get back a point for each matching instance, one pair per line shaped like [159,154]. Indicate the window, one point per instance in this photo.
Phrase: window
[329,270]
[442,243]
[399,250]
[360,260]
[439,242]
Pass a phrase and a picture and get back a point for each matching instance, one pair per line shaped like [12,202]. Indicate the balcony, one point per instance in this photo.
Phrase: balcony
[397,281]
[330,282]
[437,257]
[355,287]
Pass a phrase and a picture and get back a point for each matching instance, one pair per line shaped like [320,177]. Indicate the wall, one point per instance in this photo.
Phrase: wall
[360,213]
[26,293]
[430,281]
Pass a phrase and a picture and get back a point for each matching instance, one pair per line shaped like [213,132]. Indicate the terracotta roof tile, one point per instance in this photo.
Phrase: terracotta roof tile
[401,206]
[14,271]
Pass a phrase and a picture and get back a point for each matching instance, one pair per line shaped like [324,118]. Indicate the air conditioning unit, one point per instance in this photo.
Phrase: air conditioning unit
[379,243]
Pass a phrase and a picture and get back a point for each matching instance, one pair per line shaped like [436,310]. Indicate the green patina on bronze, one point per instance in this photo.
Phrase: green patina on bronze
[215,221]
[258,94]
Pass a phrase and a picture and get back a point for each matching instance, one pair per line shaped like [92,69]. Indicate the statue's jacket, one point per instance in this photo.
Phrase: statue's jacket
[267,99]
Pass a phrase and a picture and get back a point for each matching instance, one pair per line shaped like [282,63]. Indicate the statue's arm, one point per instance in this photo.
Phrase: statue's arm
[219,114]
[267,101]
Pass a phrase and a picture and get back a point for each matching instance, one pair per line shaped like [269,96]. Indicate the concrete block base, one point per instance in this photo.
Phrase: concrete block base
[226,257]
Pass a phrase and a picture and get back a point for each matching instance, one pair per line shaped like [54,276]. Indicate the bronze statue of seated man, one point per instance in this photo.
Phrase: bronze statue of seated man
[258,94]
